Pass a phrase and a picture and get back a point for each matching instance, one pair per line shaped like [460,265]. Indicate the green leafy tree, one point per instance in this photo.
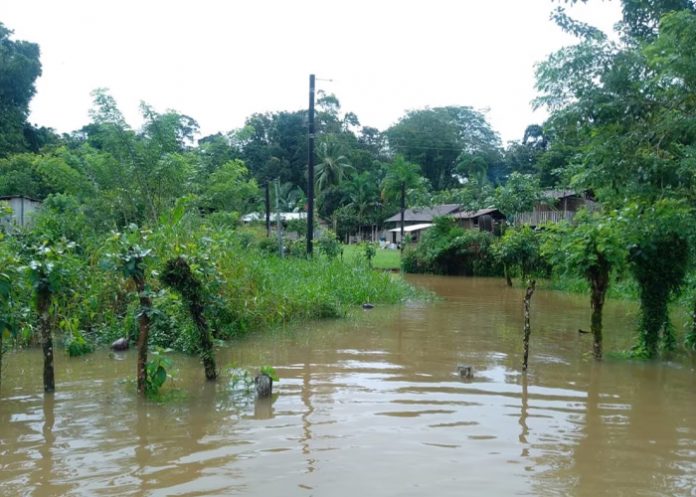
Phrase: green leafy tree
[177,274]
[401,175]
[519,194]
[48,273]
[521,248]
[230,188]
[659,258]
[443,138]
[592,246]
[332,166]
[19,69]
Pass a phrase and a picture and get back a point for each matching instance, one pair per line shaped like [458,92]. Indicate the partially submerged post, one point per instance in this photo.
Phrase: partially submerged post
[531,285]
[264,386]
[178,275]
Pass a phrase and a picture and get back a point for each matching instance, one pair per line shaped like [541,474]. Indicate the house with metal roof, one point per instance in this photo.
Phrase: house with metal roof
[419,219]
[555,206]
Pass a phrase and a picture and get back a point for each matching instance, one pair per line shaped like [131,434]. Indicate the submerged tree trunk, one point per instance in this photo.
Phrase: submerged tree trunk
[691,336]
[599,282]
[508,280]
[531,285]
[43,304]
[144,326]
[207,351]
[178,275]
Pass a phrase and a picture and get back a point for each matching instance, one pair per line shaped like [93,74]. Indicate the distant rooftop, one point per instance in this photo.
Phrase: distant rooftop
[424,214]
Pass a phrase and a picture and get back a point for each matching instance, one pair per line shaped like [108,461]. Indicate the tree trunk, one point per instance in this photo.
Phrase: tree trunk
[207,351]
[144,325]
[1,353]
[599,282]
[531,285]
[508,280]
[43,304]
[691,336]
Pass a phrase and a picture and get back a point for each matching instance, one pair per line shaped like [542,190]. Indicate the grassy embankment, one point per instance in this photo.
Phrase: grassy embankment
[246,286]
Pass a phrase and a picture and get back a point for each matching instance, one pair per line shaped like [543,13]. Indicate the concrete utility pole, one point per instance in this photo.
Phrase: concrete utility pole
[310,170]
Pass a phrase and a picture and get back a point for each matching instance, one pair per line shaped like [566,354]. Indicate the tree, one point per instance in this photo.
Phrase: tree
[400,175]
[521,248]
[19,68]
[519,194]
[48,273]
[442,138]
[230,188]
[592,246]
[332,166]
[659,236]
[178,275]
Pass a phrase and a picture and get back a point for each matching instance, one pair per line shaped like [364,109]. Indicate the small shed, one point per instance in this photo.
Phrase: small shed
[23,210]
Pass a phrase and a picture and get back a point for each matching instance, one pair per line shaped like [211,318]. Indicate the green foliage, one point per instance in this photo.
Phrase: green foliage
[332,165]
[328,245]
[229,188]
[270,372]
[369,251]
[520,248]
[19,69]
[440,138]
[157,370]
[75,342]
[448,249]
[593,241]
[519,194]
[659,257]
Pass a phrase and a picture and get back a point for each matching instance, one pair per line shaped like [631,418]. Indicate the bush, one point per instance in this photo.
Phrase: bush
[448,249]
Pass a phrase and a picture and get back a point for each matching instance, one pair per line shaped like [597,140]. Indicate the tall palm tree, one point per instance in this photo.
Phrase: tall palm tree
[400,176]
[332,166]
[364,197]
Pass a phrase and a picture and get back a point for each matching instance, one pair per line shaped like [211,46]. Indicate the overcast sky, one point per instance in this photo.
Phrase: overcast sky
[221,60]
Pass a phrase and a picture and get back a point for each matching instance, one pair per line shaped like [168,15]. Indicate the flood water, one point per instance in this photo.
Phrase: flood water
[371,406]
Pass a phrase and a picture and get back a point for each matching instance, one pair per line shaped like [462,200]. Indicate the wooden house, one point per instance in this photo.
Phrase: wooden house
[419,219]
[555,206]
[483,219]
[23,210]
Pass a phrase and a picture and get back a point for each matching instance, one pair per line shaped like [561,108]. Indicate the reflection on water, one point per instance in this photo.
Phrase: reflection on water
[370,405]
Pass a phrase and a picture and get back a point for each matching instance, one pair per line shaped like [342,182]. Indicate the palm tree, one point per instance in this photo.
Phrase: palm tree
[364,197]
[400,176]
[332,167]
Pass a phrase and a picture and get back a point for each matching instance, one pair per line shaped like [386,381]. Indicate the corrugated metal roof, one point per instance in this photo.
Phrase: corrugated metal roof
[424,214]
[474,214]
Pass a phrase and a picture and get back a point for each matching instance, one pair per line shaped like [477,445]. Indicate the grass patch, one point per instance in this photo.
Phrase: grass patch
[384,258]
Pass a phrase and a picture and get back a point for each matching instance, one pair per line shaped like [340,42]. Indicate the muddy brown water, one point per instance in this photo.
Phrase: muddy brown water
[371,406]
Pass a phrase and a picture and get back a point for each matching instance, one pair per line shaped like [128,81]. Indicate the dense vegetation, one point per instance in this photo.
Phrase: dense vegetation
[119,204]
